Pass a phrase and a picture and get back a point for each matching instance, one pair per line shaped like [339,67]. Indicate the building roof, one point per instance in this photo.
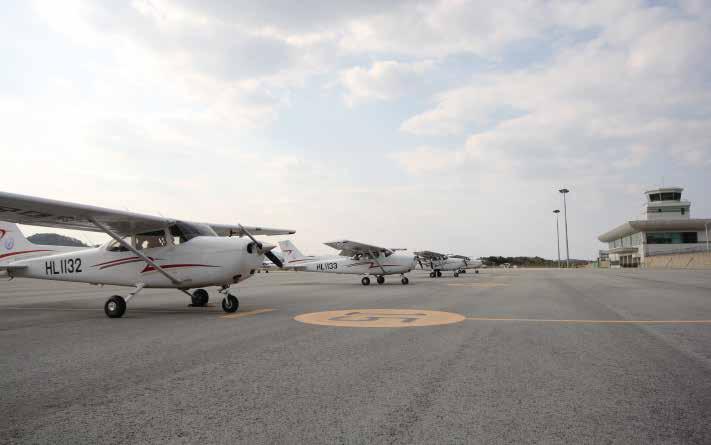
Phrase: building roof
[631,227]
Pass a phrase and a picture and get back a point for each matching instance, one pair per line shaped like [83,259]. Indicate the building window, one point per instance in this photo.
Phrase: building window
[683,210]
[672,237]
[655,197]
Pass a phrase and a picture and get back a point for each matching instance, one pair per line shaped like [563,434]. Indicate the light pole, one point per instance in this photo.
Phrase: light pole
[557,234]
[565,219]
[706,225]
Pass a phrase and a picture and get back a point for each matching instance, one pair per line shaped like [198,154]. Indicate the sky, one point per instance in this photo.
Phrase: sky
[443,125]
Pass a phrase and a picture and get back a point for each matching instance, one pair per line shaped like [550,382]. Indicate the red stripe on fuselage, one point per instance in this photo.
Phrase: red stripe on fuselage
[174,266]
[24,251]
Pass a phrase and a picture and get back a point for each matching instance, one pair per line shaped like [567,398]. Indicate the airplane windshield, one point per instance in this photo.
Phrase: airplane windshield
[183,232]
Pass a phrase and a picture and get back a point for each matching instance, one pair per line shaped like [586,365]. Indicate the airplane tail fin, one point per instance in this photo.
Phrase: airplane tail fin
[14,245]
[291,253]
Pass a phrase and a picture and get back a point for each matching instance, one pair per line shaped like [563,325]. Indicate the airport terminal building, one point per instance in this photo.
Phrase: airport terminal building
[666,234]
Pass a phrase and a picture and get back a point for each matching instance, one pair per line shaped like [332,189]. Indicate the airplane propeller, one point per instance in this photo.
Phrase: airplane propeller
[269,254]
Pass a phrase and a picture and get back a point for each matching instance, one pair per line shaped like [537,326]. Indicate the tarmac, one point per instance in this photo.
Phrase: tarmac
[505,356]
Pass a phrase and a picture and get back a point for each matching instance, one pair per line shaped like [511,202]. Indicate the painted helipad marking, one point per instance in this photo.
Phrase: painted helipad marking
[542,320]
[247,314]
[380,318]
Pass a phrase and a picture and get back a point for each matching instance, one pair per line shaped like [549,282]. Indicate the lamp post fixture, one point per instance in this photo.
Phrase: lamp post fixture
[565,219]
[557,234]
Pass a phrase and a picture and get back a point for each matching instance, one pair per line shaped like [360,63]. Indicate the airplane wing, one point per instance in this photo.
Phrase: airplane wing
[350,248]
[461,257]
[236,230]
[427,254]
[44,212]
[31,210]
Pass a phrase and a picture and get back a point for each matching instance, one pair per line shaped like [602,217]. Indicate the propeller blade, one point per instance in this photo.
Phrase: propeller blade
[249,235]
[274,259]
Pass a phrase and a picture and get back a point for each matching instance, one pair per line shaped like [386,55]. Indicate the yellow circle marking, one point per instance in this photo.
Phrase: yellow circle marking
[380,318]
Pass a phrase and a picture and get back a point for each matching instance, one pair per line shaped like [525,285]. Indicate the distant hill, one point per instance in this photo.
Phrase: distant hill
[55,239]
[526,261]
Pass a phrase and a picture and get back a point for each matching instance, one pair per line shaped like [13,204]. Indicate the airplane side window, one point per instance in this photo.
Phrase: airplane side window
[114,246]
[150,240]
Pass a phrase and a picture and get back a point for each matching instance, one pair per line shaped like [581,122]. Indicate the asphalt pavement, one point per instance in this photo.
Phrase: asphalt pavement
[522,356]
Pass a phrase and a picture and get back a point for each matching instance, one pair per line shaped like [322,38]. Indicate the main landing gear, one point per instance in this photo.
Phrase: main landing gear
[436,274]
[199,297]
[404,280]
[115,306]
[365,281]
[381,279]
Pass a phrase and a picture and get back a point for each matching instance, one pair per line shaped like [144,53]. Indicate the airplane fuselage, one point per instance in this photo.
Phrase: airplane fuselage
[200,262]
[393,264]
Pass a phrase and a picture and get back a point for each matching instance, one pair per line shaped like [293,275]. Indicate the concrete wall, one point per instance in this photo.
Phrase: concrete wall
[696,260]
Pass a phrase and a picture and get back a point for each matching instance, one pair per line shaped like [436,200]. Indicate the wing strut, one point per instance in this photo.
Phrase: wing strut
[372,254]
[120,240]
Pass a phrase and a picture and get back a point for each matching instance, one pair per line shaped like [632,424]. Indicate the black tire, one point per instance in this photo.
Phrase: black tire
[365,281]
[456,274]
[405,280]
[115,307]
[381,279]
[432,275]
[464,271]
[200,297]
[476,271]
[230,303]
[439,274]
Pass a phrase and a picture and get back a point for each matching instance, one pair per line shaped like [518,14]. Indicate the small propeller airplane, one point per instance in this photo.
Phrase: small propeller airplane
[354,258]
[145,251]
[439,262]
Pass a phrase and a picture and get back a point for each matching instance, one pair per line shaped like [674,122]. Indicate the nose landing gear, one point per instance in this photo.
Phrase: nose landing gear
[230,303]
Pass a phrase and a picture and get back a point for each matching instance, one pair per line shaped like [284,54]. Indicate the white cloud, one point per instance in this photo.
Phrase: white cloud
[642,83]
[384,80]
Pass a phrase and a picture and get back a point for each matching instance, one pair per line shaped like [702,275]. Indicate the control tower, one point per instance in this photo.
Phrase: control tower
[666,203]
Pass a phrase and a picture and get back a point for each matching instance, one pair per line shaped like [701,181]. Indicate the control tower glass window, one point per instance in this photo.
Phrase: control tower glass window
[655,197]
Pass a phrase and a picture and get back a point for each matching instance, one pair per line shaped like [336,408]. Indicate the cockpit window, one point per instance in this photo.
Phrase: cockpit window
[115,246]
[150,240]
[183,232]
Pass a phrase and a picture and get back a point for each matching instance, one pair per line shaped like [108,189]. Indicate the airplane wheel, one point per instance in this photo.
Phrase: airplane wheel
[404,280]
[115,307]
[476,271]
[381,279]
[365,281]
[230,303]
[432,275]
[464,271]
[456,274]
[200,297]
[439,274]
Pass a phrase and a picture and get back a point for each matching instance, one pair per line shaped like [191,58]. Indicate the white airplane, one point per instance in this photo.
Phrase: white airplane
[354,258]
[145,251]
[439,262]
